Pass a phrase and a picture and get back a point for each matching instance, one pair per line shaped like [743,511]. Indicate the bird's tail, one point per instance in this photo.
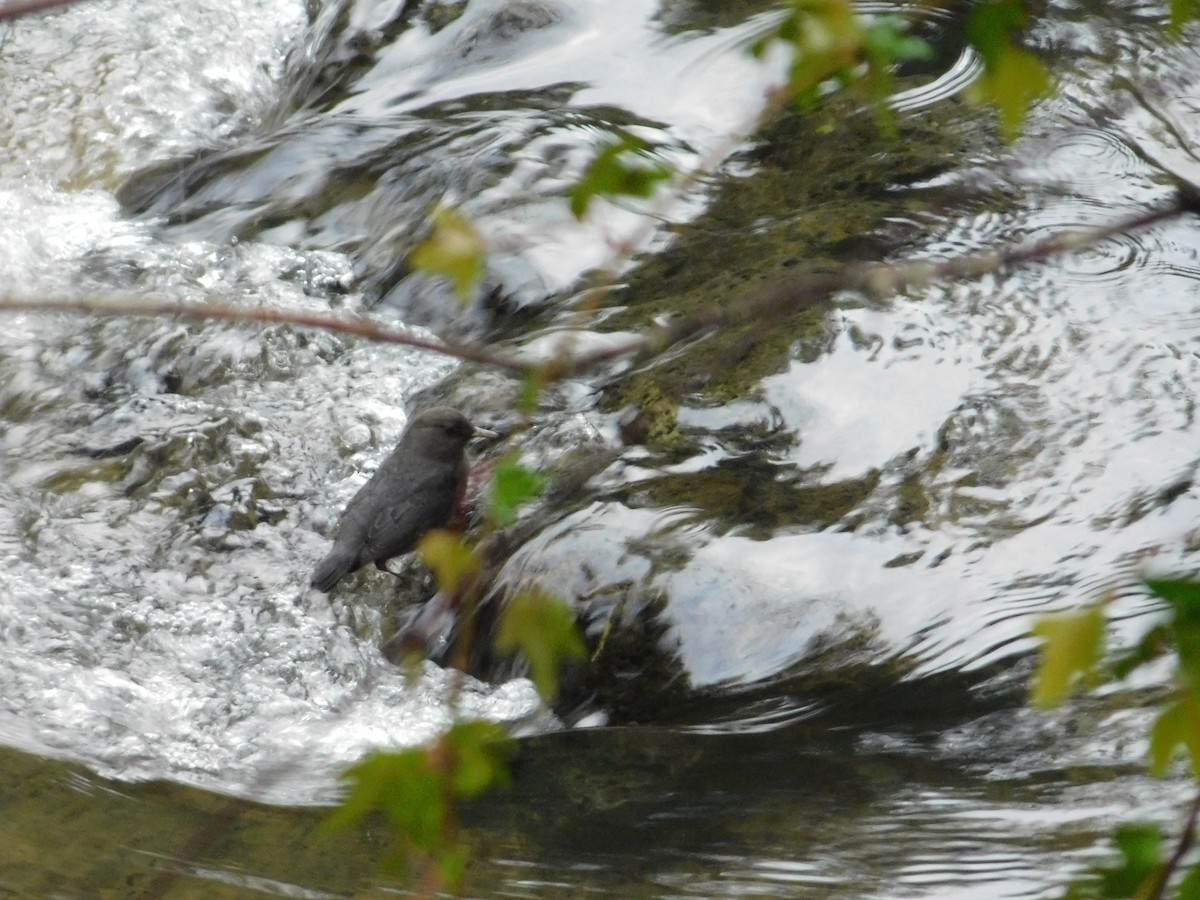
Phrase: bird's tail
[339,561]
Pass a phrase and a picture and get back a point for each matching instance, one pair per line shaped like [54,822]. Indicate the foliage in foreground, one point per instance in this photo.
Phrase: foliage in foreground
[1148,867]
[830,45]
[417,791]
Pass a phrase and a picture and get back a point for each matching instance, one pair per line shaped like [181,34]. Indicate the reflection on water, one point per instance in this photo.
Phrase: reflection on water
[1006,804]
[796,814]
[886,509]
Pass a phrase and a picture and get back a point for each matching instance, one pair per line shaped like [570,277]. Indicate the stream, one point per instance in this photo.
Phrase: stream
[806,558]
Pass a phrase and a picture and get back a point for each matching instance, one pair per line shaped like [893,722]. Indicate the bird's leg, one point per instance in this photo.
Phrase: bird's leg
[382,566]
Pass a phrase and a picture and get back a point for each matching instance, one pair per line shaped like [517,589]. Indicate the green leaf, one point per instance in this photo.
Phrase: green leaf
[1141,848]
[1181,594]
[452,864]
[1013,78]
[454,251]
[827,40]
[542,629]
[402,786]
[991,26]
[359,802]
[1012,85]
[452,560]
[1183,598]
[1153,644]
[532,382]
[888,42]
[417,791]
[1182,11]
[512,485]
[1189,887]
[1071,648]
[1177,725]
[623,168]
[481,751]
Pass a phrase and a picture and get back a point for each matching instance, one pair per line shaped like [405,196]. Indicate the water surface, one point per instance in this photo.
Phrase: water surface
[821,580]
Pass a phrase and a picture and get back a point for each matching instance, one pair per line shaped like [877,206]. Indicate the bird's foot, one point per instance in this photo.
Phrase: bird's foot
[382,566]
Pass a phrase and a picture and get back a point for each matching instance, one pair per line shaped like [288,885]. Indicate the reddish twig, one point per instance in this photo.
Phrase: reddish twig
[15,9]
[1156,888]
[870,279]
[358,326]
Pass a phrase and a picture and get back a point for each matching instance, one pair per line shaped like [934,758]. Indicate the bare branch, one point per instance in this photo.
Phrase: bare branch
[878,280]
[358,326]
[1157,888]
[15,9]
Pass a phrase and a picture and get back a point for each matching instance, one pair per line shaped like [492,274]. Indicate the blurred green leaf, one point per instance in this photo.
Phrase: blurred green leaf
[512,485]
[1189,887]
[827,38]
[542,629]
[1181,594]
[452,864]
[403,787]
[1177,725]
[532,383]
[454,250]
[830,42]
[1183,599]
[452,560]
[481,753]
[991,26]
[416,790]
[1013,78]
[1071,648]
[624,168]
[1182,11]
[1153,644]
[888,42]
[1140,847]
[1011,85]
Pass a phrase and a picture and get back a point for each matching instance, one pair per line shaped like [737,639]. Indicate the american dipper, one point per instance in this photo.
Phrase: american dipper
[418,487]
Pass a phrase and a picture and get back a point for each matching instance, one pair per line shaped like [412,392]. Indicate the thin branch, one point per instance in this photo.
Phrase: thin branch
[1158,887]
[875,280]
[878,280]
[15,9]
[359,326]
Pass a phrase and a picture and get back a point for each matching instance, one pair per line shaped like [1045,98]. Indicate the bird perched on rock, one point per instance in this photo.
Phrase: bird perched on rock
[418,487]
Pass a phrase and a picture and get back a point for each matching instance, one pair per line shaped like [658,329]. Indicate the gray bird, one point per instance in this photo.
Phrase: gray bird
[418,487]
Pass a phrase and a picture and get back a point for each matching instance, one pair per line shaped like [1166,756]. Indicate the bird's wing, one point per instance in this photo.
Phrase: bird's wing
[398,525]
[393,482]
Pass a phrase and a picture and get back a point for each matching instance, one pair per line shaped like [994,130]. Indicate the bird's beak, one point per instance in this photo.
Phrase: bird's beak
[485,432]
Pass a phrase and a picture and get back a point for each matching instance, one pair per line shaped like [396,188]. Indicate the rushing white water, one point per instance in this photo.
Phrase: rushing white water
[165,488]
[164,484]
[100,88]
[154,621]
